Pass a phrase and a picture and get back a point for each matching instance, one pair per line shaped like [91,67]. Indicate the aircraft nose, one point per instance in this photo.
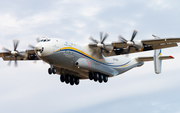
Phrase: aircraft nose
[38,47]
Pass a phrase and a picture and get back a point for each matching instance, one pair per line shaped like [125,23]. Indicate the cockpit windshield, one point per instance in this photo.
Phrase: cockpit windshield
[45,40]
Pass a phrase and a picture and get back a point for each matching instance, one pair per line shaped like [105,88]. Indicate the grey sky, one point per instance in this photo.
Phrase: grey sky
[29,88]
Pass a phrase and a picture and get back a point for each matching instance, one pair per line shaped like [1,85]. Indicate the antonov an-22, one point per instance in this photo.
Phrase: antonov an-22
[95,61]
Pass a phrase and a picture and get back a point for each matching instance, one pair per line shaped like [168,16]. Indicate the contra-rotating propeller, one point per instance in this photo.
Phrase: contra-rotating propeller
[100,44]
[14,52]
[31,46]
[129,43]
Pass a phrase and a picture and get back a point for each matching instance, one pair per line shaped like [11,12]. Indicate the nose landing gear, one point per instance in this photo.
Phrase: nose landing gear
[51,70]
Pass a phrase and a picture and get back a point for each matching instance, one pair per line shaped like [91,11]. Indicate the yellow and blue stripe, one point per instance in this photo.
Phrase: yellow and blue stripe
[160,53]
[90,57]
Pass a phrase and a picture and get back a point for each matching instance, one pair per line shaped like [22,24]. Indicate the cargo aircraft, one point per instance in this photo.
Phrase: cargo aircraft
[96,61]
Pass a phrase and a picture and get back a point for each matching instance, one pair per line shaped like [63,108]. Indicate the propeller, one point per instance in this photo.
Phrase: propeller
[33,47]
[130,43]
[100,44]
[14,53]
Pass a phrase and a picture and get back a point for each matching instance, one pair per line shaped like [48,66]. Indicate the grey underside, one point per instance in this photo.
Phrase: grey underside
[64,62]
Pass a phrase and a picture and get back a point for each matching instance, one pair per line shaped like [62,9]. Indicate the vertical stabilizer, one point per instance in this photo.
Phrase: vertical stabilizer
[157,61]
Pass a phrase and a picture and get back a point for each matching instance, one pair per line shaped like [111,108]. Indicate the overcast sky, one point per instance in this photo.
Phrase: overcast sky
[29,88]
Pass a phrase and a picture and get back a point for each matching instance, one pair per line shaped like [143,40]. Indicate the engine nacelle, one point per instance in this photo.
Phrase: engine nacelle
[108,47]
[138,44]
[23,54]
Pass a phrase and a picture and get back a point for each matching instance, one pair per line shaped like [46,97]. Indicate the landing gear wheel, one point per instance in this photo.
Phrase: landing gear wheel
[72,80]
[53,70]
[62,78]
[105,78]
[67,80]
[96,77]
[50,71]
[76,81]
[91,76]
[100,78]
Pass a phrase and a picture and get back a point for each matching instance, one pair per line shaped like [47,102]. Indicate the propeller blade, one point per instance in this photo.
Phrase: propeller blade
[136,47]
[94,52]
[37,39]
[92,39]
[15,63]
[128,49]
[31,46]
[106,35]
[35,60]
[5,49]
[100,56]
[133,35]
[9,64]
[16,43]
[122,39]
[101,35]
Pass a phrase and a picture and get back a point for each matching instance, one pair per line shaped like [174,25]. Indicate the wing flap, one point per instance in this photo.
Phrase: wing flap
[160,46]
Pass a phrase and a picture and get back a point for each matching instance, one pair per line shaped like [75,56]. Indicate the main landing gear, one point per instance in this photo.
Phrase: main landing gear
[69,79]
[98,77]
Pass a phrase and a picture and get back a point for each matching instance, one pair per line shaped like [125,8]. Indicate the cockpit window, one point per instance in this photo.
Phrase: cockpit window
[45,40]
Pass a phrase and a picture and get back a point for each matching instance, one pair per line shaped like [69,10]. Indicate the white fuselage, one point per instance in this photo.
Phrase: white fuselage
[64,54]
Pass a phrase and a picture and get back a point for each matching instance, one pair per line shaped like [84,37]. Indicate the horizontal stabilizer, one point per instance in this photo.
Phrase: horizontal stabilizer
[166,57]
[145,59]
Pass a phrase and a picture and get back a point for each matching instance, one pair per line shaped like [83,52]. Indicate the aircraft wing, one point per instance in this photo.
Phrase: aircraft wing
[4,54]
[120,47]
[23,55]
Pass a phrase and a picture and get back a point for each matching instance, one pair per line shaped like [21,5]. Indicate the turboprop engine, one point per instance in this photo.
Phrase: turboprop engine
[131,43]
[14,54]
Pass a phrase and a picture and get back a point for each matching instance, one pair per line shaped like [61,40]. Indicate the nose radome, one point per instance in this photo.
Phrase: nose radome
[38,47]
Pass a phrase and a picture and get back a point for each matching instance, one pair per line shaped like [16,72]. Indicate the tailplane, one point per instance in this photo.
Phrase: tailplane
[157,59]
